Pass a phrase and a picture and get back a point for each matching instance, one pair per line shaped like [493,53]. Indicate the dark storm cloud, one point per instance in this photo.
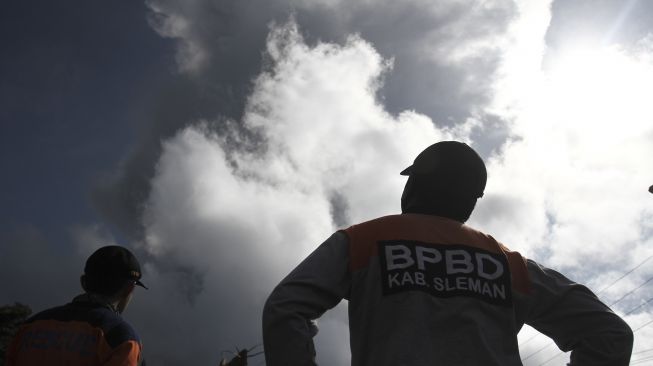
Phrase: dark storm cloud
[424,78]
[178,103]
[237,37]
[422,39]
[444,60]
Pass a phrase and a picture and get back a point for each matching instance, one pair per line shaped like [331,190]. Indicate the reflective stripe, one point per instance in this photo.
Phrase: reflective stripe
[75,335]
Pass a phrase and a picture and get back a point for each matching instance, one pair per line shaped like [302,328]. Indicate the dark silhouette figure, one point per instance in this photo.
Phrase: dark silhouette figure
[89,330]
[425,289]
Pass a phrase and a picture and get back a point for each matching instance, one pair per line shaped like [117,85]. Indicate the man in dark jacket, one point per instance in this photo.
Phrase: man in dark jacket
[88,331]
[425,289]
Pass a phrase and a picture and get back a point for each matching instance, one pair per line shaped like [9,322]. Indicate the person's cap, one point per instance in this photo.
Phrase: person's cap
[114,263]
[453,163]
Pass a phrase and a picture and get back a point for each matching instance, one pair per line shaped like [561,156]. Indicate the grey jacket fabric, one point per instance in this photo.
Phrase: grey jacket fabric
[397,319]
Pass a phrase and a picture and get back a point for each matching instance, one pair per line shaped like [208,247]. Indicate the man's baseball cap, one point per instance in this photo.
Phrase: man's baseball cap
[453,164]
[113,263]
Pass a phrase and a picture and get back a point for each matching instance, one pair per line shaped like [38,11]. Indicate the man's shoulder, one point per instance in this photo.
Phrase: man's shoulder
[47,314]
[115,328]
[120,333]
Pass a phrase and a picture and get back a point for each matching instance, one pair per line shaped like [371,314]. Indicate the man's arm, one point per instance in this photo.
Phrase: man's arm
[575,319]
[316,285]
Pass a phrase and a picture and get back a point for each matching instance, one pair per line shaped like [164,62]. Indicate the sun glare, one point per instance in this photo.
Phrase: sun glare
[599,91]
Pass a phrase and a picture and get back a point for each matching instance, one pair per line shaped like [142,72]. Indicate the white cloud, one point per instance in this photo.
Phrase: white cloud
[579,156]
[569,189]
[236,220]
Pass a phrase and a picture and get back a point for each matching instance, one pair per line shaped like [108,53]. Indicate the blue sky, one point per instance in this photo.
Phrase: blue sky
[223,140]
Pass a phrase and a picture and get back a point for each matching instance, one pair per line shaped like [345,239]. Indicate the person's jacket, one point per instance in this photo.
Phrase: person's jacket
[426,290]
[85,332]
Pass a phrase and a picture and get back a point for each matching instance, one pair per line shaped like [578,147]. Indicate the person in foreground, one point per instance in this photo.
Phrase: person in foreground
[425,289]
[88,331]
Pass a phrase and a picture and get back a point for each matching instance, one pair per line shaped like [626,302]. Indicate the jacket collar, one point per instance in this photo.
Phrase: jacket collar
[95,300]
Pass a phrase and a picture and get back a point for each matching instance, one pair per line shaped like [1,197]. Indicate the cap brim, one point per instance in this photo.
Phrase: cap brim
[139,283]
[407,171]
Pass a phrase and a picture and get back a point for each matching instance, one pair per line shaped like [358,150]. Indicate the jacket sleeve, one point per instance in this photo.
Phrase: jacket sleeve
[317,284]
[576,320]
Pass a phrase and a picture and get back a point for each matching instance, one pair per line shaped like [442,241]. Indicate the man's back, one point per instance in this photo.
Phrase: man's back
[424,289]
[84,332]
[427,290]
[431,284]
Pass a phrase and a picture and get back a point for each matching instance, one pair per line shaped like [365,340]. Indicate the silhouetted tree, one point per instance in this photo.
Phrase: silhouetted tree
[11,316]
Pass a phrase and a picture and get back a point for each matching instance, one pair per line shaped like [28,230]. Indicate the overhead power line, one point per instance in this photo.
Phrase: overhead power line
[633,290]
[643,325]
[643,351]
[624,275]
[641,360]
[550,359]
[632,362]
[631,310]
[530,339]
[536,352]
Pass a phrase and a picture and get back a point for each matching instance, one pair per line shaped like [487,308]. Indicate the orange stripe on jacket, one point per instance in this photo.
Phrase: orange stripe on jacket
[363,239]
[53,342]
